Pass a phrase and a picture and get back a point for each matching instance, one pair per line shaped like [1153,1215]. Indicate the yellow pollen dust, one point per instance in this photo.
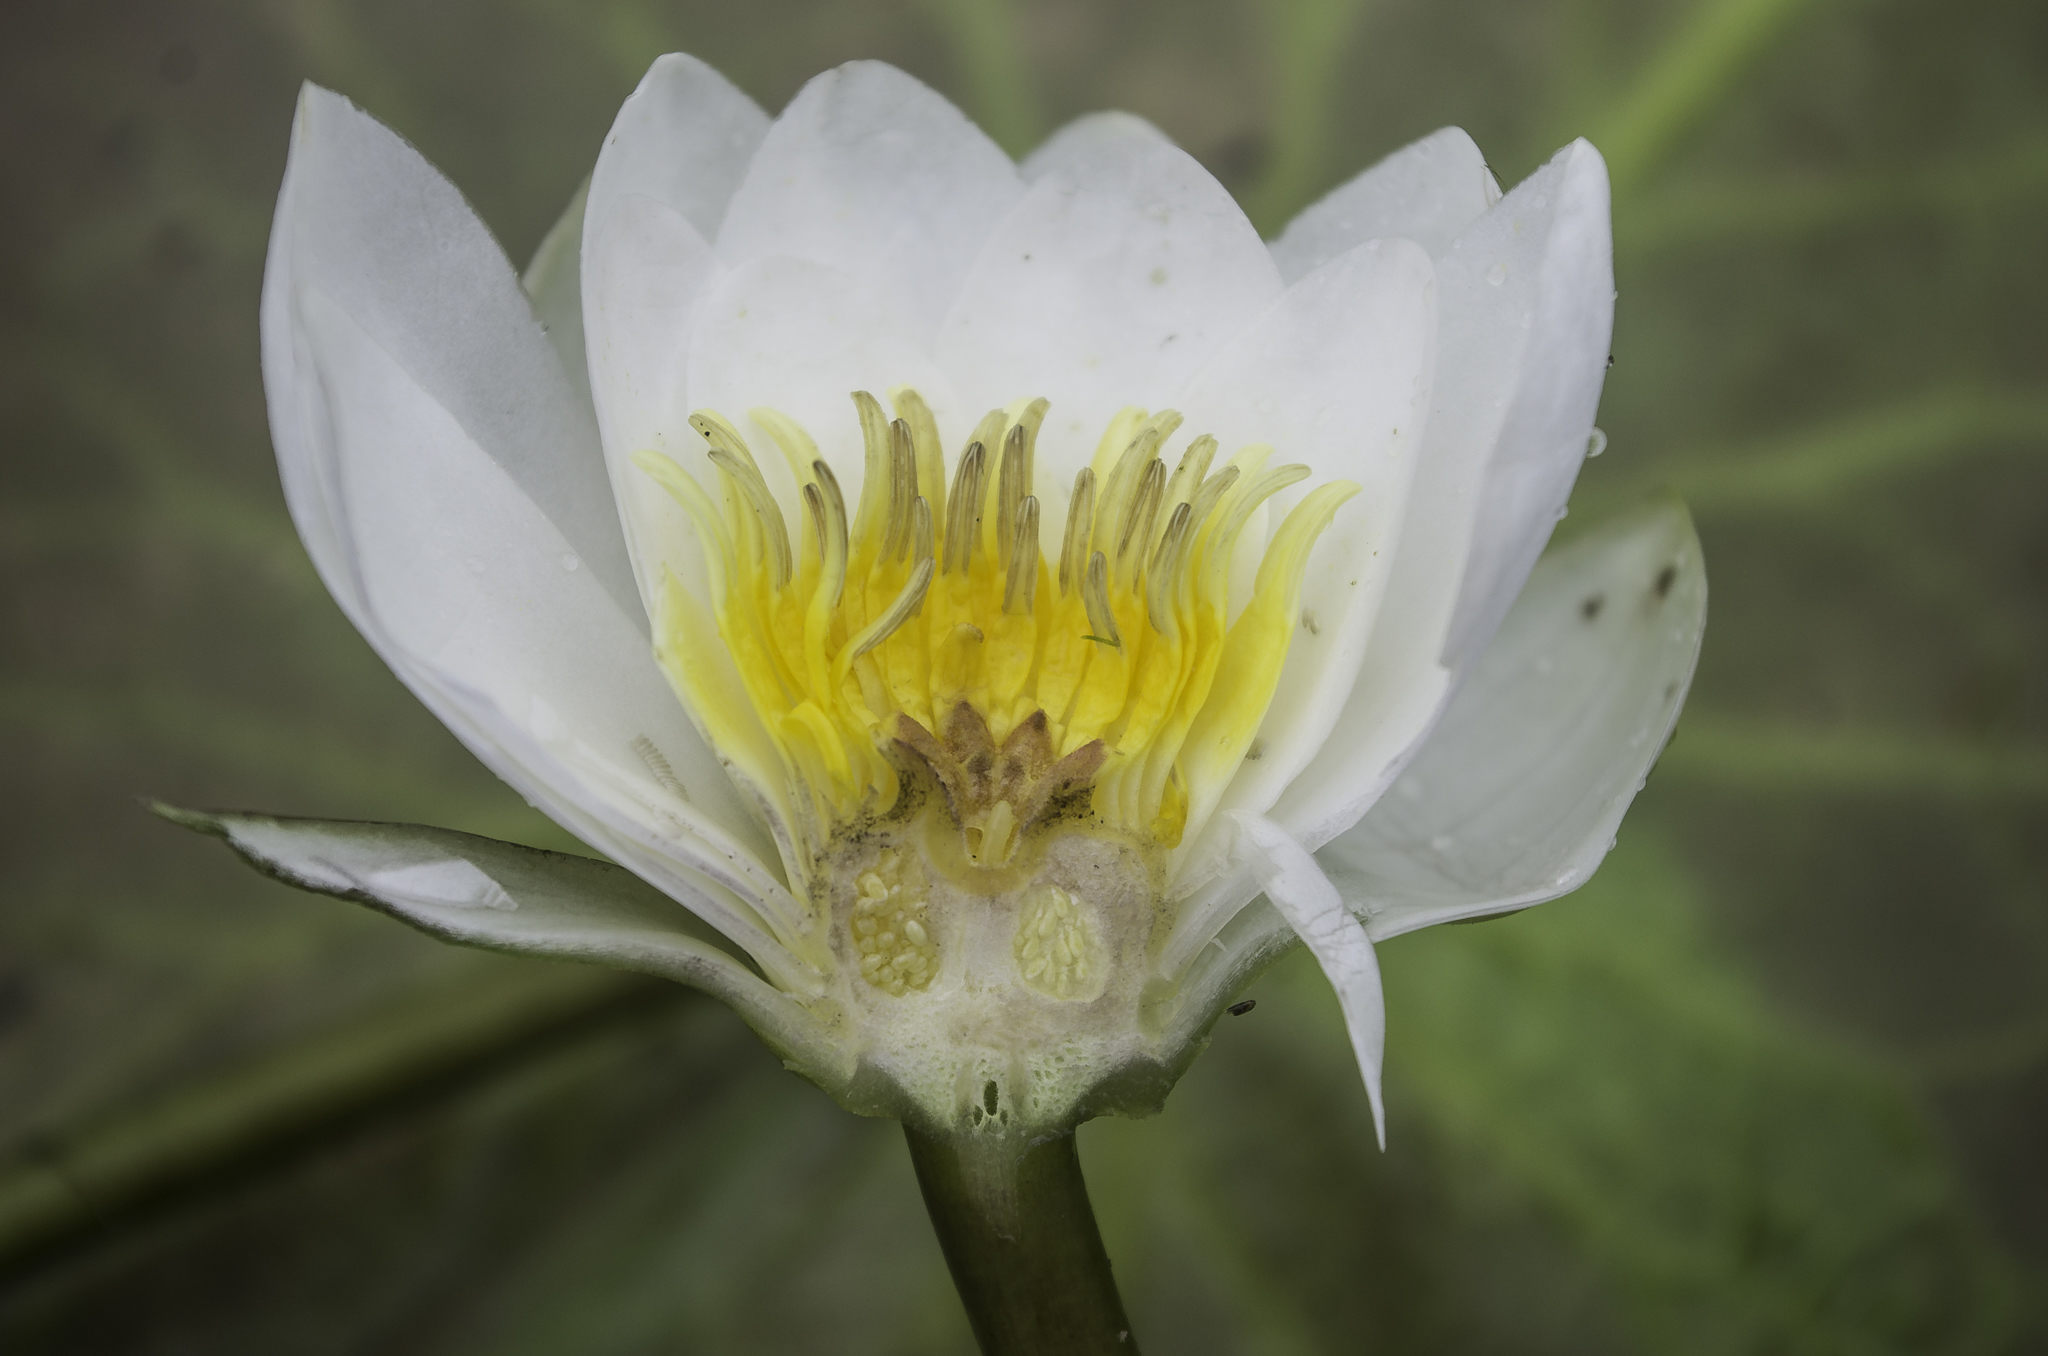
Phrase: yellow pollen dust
[926,624]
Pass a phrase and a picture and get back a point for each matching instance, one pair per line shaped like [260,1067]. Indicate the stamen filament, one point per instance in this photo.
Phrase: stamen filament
[1095,595]
[1074,545]
[1021,585]
[963,524]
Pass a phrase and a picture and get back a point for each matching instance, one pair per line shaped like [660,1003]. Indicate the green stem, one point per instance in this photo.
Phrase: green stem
[1013,1217]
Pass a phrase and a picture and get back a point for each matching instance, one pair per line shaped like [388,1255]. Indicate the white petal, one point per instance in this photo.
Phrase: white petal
[801,338]
[670,164]
[1517,794]
[362,217]
[1335,375]
[1122,270]
[684,138]
[441,506]
[1428,192]
[1562,299]
[645,272]
[1295,884]
[482,608]
[554,284]
[634,814]
[482,892]
[876,175]
[1527,306]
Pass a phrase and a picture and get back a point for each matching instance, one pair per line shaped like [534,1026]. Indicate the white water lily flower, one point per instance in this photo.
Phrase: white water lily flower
[985,605]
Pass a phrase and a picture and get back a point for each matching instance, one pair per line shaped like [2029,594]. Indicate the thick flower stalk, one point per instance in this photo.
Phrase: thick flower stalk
[986,610]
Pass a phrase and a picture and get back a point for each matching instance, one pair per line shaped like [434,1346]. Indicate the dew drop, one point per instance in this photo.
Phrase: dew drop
[1596,444]
[1497,275]
[1443,842]
[570,564]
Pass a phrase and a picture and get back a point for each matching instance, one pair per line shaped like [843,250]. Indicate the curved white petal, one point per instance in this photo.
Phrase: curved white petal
[363,217]
[1336,375]
[1527,298]
[878,176]
[479,605]
[1428,191]
[505,897]
[800,337]
[554,284]
[645,273]
[1562,300]
[1120,272]
[671,162]
[1518,792]
[683,138]
[1288,874]
[450,519]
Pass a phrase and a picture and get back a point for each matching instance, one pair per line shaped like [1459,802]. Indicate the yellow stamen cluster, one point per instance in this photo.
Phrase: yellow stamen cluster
[933,603]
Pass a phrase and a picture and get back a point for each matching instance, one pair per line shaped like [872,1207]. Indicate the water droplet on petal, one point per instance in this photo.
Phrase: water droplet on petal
[1443,842]
[570,564]
[1596,444]
[1497,275]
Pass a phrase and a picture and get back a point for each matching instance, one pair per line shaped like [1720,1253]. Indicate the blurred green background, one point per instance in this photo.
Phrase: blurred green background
[1776,1082]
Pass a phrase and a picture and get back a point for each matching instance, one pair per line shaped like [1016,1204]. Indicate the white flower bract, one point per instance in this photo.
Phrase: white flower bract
[991,602]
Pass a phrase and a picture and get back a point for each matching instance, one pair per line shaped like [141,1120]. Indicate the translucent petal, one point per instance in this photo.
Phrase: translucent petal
[773,318]
[362,217]
[554,283]
[505,897]
[1336,375]
[1517,794]
[1121,271]
[1428,192]
[1563,301]
[1291,879]
[674,156]
[644,280]
[1527,298]
[683,138]
[480,606]
[879,177]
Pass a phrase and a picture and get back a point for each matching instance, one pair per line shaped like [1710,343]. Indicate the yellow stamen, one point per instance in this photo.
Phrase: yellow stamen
[928,624]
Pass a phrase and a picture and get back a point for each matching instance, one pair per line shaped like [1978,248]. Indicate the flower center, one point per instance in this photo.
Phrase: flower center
[926,631]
